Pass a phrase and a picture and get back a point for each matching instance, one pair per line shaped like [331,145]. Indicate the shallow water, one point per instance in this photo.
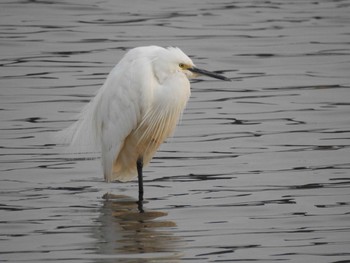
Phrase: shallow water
[258,169]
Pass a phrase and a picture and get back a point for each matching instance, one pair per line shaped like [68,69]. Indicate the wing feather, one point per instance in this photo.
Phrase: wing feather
[113,113]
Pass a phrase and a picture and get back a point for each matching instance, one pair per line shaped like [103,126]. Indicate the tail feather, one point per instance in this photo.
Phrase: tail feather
[82,135]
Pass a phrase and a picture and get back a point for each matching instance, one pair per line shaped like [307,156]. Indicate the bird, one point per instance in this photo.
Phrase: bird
[135,111]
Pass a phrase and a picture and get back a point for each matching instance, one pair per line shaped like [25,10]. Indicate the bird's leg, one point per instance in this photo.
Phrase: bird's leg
[139,165]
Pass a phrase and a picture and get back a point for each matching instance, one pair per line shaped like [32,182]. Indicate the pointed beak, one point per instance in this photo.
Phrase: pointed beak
[208,73]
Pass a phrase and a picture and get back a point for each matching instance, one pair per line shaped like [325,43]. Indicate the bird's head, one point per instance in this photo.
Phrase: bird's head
[173,60]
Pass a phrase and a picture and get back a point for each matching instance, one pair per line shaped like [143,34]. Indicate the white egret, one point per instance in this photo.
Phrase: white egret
[135,110]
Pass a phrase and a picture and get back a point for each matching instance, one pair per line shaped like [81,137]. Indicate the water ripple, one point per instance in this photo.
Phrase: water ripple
[256,171]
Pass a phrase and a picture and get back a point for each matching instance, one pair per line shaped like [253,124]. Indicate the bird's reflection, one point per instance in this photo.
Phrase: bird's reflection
[124,230]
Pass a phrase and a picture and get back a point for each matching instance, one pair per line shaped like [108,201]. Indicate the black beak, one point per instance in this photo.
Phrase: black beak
[208,73]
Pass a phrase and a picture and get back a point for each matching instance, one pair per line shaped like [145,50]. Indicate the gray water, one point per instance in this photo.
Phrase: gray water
[257,171]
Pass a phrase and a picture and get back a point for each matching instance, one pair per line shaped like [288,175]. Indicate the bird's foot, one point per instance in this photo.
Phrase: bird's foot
[140,206]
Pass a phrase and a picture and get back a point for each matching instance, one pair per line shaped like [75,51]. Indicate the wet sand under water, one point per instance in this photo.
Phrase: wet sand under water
[258,169]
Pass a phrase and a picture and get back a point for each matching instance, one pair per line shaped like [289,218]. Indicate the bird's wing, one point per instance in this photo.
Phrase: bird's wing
[119,107]
[115,111]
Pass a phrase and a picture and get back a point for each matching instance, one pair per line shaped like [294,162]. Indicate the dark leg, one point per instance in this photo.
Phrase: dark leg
[139,165]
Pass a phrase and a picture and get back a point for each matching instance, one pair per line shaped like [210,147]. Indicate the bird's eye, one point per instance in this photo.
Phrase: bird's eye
[182,66]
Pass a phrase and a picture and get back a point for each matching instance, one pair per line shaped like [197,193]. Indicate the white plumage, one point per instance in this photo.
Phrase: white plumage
[135,110]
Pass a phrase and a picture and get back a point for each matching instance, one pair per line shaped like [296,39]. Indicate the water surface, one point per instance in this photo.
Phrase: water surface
[258,169]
